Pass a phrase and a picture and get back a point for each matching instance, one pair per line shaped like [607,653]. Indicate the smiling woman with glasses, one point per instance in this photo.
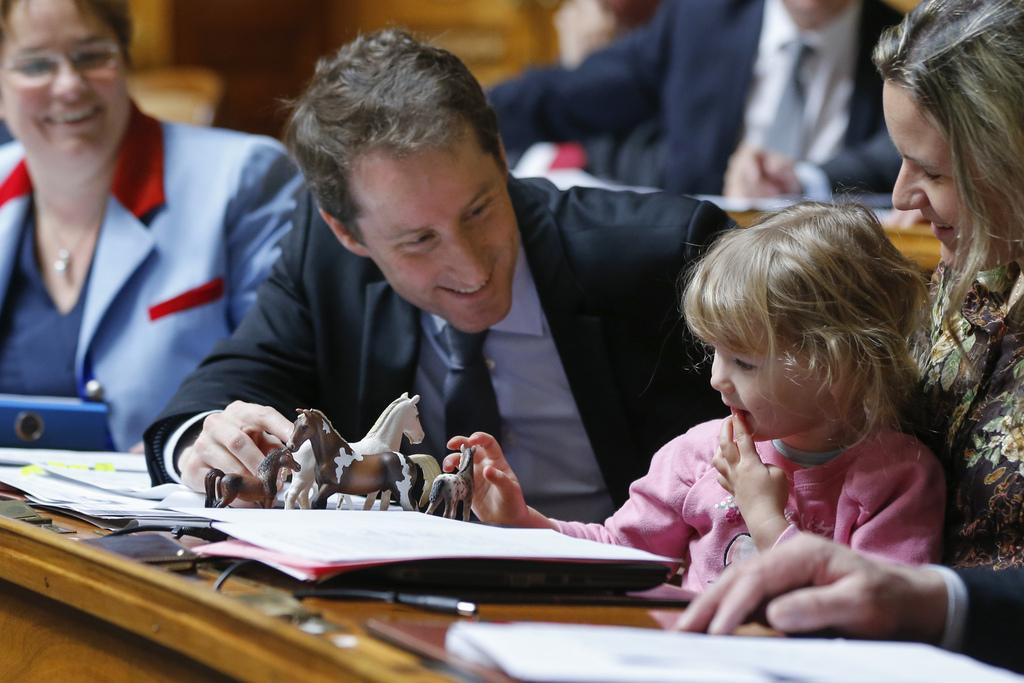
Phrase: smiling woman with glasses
[127,246]
[39,68]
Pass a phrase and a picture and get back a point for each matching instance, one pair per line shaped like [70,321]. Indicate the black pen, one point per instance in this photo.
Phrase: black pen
[438,603]
[434,603]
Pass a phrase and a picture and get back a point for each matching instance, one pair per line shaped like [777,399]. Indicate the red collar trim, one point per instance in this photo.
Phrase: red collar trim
[138,178]
[17,184]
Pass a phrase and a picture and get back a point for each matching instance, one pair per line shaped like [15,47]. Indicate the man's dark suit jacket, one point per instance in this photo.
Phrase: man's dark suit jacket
[995,616]
[689,71]
[327,331]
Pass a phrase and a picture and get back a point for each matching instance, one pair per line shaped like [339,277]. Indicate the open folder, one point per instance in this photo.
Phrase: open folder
[413,548]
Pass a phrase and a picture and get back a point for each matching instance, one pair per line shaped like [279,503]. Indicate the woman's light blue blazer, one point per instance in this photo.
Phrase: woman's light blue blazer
[190,231]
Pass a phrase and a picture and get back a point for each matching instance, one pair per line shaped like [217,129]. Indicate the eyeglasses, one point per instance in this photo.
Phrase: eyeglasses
[40,68]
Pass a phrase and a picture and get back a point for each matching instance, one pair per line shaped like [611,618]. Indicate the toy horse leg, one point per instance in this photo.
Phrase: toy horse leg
[227,490]
[342,502]
[466,509]
[370,497]
[213,477]
[320,502]
[432,506]
[269,498]
[385,500]
[298,495]
[292,496]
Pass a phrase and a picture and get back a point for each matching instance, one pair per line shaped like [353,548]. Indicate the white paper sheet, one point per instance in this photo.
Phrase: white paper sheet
[349,535]
[102,460]
[564,652]
[103,496]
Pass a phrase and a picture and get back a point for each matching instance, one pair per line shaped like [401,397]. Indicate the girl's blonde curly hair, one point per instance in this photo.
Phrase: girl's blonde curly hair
[822,287]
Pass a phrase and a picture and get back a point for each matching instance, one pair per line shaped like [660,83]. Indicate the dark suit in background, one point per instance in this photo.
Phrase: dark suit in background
[328,331]
[684,78]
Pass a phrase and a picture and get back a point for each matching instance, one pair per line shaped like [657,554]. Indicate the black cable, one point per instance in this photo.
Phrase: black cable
[226,574]
[207,533]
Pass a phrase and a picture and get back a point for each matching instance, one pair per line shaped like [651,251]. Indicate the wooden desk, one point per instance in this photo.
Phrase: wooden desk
[916,242]
[72,612]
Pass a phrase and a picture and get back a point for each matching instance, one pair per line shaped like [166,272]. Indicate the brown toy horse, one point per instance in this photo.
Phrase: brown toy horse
[222,489]
[339,469]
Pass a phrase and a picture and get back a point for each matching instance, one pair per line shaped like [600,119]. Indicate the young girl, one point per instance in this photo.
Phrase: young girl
[808,314]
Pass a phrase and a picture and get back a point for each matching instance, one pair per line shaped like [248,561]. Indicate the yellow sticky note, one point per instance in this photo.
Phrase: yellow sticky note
[32,469]
[105,467]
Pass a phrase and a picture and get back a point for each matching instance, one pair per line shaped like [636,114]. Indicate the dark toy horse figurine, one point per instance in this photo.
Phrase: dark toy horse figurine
[222,489]
[339,469]
[454,488]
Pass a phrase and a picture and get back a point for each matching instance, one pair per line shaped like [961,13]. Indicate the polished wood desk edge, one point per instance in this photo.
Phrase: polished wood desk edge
[182,615]
[916,242]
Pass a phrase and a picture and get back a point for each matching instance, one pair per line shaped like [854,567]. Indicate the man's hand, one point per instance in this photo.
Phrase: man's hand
[761,491]
[583,26]
[497,495]
[811,584]
[234,441]
[756,172]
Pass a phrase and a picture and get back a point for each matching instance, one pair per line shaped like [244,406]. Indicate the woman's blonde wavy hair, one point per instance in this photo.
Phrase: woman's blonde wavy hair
[962,63]
[822,287]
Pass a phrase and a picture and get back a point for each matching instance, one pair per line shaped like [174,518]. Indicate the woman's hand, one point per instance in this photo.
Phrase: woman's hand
[760,490]
[497,495]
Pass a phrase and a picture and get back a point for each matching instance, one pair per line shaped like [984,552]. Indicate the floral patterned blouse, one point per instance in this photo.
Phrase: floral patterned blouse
[974,420]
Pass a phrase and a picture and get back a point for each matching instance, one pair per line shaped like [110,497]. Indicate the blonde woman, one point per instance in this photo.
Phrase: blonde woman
[954,83]
[808,314]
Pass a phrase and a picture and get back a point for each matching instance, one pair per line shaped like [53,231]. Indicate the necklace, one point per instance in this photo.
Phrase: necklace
[62,262]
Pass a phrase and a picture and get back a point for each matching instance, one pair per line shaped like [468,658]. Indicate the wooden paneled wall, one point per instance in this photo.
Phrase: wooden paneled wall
[265,50]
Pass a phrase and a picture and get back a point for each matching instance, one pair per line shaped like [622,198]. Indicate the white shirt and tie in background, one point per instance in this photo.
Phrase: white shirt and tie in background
[798,105]
[811,131]
[824,75]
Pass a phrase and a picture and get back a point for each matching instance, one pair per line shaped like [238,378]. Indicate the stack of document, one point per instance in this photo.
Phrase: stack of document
[106,489]
[111,489]
[567,652]
[313,544]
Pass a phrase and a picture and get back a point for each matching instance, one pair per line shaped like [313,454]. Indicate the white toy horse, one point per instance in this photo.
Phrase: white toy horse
[400,418]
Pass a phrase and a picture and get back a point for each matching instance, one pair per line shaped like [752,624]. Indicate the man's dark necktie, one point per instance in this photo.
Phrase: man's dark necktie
[469,401]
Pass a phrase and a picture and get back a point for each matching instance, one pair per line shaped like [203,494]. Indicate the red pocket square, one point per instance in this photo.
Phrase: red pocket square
[569,155]
[203,294]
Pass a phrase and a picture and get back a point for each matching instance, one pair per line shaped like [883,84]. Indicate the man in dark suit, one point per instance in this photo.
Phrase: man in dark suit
[811,584]
[669,104]
[417,228]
